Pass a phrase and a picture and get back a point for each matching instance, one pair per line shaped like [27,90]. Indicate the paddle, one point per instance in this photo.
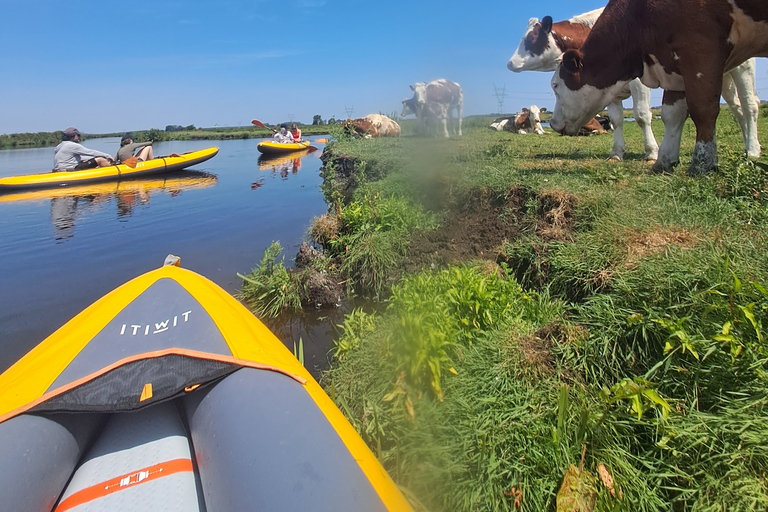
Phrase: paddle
[312,149]
[259,123]
[131,162]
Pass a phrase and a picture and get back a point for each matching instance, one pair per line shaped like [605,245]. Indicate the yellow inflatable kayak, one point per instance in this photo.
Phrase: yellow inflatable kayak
[171,182]
[168,394]
[271,147]
[114,172]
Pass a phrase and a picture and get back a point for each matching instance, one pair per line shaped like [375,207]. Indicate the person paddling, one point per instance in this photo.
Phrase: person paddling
[127,148]
[295,133]
[283,136]
[70,155]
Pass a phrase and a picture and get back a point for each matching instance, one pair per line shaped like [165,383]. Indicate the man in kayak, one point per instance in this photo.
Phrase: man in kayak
[127,147]
[283,136]
[295,133]
[70,155]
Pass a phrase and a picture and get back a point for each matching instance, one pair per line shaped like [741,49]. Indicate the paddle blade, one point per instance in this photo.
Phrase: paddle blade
[259,123]
[131,162]
[311,149]
[321,141]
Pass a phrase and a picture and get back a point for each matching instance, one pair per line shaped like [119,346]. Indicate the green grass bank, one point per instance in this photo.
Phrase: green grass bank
[553,332]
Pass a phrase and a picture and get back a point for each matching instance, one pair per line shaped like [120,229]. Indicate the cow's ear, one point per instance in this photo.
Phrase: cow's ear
[543,109]
[546,24]
[572,61]
[413,88]
[525,110]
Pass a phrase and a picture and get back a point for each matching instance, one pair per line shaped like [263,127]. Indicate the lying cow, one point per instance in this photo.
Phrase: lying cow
[373,125]
[542,48]
[596,126]
[435,100]
[529,121]
[658,41]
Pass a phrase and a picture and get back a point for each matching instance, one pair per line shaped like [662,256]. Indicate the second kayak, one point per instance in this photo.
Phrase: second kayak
[271,147]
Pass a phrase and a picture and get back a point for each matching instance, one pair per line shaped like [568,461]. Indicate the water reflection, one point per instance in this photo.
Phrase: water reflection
[283,164]
[67,204]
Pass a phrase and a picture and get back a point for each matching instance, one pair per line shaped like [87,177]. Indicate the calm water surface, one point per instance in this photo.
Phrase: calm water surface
[61,250]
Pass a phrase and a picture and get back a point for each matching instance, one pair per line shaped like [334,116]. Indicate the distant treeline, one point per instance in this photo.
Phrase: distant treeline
[28,140]
[171,132]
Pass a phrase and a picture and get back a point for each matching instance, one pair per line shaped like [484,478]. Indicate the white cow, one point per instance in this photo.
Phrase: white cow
[542,48]
[435,100]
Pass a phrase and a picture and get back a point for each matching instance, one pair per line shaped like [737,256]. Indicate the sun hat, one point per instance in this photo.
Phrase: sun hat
[70,133]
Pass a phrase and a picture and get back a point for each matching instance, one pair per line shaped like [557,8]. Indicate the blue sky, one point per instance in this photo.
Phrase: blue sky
[106,66]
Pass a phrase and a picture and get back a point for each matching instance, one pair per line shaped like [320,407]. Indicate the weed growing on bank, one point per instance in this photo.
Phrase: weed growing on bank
[628,372]
[270,288]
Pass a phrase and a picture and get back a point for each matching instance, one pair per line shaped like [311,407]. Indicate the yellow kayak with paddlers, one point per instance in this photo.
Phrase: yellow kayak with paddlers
[271,147]
[168,394]
[174,162]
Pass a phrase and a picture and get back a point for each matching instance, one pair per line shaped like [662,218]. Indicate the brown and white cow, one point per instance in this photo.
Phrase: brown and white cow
[373,125]
[435,100]
[682,46]
[542,48]
[528,121]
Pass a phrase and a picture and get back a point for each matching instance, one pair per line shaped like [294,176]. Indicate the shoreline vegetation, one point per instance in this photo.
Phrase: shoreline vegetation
[547,330]
[44,139]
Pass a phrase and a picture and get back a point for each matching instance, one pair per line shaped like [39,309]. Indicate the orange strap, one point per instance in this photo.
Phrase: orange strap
[125,481]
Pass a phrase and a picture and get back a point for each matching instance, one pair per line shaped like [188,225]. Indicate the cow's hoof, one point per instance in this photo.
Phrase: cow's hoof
[697,170]
[650,161]
[660,168]
[614,159]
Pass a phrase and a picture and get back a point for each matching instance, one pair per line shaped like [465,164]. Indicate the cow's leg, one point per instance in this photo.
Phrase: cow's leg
[459,111]
[704,107]
[674,112]
[641,105]
[616,115]
[444,116]
[743,80]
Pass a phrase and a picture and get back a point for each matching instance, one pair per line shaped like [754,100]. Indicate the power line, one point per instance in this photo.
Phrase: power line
[500,95]
[349,110]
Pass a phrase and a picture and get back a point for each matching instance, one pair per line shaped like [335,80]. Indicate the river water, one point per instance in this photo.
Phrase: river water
[61,250]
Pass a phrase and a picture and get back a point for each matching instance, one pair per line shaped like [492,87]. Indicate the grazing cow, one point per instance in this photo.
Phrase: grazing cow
[529,121]
[682,46]
[373,125]
[542,48]
[433,100]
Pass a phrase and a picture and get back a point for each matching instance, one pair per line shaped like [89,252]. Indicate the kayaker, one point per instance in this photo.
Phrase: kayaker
[70,155]
[283,136]
[295,133]
[127,148]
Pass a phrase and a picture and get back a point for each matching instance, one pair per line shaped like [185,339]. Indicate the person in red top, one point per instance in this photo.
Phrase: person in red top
[295,133]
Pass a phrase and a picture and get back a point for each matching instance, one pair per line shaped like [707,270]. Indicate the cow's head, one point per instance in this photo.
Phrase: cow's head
[415,104]
[538,50]
[576,101]
[409,107]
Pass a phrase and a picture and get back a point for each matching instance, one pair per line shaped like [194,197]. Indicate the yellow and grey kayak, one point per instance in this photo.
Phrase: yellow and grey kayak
[113,172]
[170,394]
[271,147]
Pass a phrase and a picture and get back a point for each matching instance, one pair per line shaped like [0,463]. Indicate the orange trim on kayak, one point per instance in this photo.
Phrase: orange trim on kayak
[149,355]
[124,482]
